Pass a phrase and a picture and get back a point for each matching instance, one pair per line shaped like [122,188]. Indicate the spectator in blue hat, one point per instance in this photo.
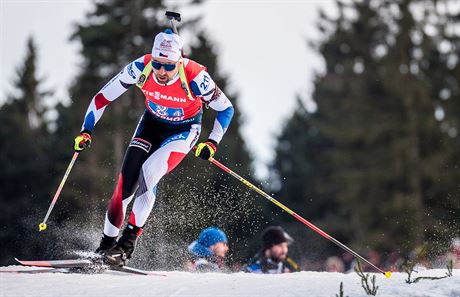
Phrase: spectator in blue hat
[208,252]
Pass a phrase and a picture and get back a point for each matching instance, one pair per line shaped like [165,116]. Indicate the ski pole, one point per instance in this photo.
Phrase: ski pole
[42,225]
[298,217]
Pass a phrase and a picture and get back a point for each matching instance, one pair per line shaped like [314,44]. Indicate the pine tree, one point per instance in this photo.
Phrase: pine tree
[299,169]
[24,159]
[384,149]
[440,63]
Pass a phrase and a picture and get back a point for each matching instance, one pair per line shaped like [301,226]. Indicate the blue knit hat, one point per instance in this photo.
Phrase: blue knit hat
[207,238]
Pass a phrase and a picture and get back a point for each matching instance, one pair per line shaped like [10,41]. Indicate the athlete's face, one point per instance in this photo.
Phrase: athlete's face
[164,75]
[278,252]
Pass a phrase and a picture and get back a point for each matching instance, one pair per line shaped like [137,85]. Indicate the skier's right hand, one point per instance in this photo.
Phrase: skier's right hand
[82,141]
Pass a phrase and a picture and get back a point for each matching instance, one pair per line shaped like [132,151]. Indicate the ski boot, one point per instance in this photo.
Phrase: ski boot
[107,243]
[119,255]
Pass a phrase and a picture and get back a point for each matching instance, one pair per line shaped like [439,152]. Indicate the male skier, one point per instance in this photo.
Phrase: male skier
[175,90]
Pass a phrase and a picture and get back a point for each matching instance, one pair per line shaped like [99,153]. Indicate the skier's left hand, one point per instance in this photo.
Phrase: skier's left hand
[206,150]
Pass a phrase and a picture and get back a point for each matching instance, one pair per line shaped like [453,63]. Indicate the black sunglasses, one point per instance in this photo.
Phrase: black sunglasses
[167,67]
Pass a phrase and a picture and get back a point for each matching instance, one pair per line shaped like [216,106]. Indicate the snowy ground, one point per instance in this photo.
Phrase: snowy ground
[302,284]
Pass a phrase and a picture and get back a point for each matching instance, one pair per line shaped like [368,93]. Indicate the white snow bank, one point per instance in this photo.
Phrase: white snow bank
[302,284]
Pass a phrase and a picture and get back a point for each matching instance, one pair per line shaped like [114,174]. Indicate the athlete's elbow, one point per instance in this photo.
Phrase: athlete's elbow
[229,111]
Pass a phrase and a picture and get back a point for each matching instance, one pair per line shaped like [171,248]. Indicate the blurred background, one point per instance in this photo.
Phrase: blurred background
[348,112]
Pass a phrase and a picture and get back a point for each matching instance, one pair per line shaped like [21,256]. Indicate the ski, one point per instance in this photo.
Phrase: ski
[84,266]
[74,263]
[34,271]
[135,270]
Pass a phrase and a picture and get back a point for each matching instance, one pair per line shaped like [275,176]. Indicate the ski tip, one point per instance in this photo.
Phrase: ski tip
[388,274]
[19,261]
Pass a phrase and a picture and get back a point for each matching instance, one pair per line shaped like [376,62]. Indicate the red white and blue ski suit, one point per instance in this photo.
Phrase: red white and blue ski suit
[166,132]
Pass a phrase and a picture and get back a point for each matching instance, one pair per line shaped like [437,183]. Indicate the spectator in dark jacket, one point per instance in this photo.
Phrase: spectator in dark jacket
[273,257]
[208,252]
